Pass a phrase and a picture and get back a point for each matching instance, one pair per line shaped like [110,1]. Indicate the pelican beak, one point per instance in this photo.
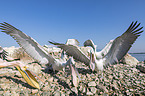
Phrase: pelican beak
[74,72]
[29,76]
[92,61]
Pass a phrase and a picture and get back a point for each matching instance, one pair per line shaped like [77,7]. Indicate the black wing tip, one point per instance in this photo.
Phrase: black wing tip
[54,43]
[133,28]
[3,23]
[50,41]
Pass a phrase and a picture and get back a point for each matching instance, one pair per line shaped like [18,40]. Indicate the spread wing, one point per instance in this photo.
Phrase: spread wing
[123,43]
[74,51]
[30,46]
[106,49]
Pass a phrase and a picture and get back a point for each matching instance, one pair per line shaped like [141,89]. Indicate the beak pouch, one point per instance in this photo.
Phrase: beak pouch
[29,77]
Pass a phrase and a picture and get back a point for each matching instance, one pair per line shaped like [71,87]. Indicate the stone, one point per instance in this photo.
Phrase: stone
[93,90]
[50,79]
[128,59]
[57,93]
[62,94]
[84,90]
[1,92]
[141,67]
[72,42]
[45,88]
[74,89]
[93,83]
[7,93]
[89,93]
[16,94]
[35,68]
[34,91]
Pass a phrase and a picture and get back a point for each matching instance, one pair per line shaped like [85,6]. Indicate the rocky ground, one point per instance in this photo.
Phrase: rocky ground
[120,79]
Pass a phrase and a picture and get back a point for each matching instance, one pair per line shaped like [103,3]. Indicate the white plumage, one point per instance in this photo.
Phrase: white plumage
[31,47]
[36,51]
[114,51]
[101,53]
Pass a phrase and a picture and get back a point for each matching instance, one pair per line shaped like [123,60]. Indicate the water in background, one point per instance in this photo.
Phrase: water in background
[139,57]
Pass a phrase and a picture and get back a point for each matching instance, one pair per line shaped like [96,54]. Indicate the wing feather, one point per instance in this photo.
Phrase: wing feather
[101,53]
[106,49]
[74,51]
[123,43]
[30,46]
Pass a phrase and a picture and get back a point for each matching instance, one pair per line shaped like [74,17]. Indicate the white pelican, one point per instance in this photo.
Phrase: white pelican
[116,52]
[31,47]
[101,53]
[34,49]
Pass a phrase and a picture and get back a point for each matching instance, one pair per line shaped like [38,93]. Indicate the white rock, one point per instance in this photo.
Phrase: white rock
[93,83]
[128,59]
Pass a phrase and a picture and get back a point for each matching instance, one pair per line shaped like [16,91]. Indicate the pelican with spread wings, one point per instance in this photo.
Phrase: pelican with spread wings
[36,51]
[31,47]
[114,51]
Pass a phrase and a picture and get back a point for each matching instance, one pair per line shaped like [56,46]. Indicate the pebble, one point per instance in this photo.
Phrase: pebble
[93,83]
[34,91]
[74,89]
[93,90]
[89,93]
[45,88]
[1,92]
[57,93]
[50,79]
[119,79]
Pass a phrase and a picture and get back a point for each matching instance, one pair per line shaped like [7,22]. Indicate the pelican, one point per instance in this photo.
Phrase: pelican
[34,49]
[98,55]
[116,49]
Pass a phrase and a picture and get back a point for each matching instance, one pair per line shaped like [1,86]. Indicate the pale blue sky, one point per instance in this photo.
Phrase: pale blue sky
[59,20]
